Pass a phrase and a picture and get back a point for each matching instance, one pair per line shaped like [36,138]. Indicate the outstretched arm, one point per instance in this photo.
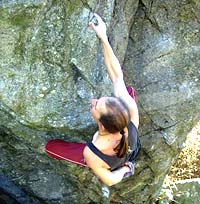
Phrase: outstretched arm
[114,70]
[105,175]
[111,61]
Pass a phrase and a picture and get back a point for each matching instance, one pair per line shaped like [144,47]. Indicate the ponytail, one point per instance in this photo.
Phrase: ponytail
[122,147]
[115,120]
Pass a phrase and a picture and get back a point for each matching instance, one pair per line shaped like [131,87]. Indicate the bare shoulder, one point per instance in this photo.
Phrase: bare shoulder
[90,157]
[92,160]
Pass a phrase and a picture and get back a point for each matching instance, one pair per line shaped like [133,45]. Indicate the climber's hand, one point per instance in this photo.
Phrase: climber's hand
[97,24]
[131,167]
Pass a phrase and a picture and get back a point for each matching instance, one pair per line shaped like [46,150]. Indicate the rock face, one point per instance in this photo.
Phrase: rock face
[51,65]
[187,191]
[182,191]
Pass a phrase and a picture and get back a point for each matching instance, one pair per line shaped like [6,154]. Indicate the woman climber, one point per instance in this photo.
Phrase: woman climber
[113,150]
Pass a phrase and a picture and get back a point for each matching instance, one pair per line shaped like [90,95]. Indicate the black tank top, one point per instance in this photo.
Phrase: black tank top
[134,147]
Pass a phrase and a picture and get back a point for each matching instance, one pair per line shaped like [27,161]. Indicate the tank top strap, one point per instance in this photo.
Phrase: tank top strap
[113,161]
[95,150]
